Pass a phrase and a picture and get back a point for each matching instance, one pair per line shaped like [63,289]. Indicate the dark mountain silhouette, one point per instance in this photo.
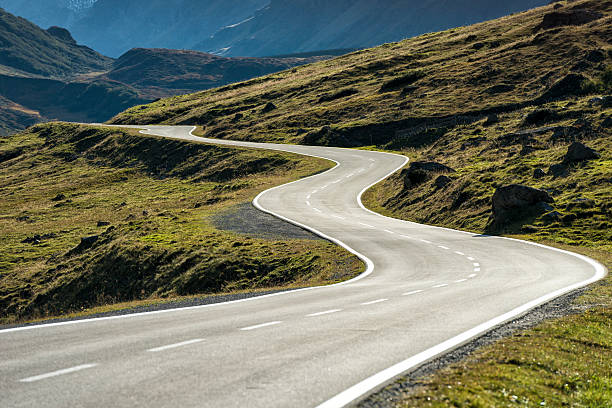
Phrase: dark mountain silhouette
[303,25]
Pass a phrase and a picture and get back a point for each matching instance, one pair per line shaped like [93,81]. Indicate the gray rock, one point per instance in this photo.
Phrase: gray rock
[87,242]
[513,202]
[573,17]
[578,152]
[420,172]
[539,173]
[268,108]
[552,216]
[558,170]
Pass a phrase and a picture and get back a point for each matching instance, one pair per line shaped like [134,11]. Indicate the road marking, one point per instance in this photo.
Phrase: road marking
[57,373]
[337,181]
[476,264]
[175,345]
[443,247]
[470,258]
[308,196]
[324,313]
[426,241]
[373,302]
[367,225]
[308,203]
[476,269]
[317,210]
[315,192]
[414,292]
[259,326]
[390,232]
[372,160]
[339,217]
[350,175]
[460,280]
[459,253]
[472,276]
[440,285]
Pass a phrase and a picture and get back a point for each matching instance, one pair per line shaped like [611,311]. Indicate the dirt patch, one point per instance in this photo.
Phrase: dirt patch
[246,219]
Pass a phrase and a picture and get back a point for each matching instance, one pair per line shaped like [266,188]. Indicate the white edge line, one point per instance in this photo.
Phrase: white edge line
[384,376]
[175,345]
[57,373]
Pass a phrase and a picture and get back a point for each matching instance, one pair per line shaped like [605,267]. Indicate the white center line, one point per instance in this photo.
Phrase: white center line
[459,253]
[317,210]
[315,192]
[324,313]
[373,302]
[308,196]
[366,225]
[443,247]
[337,181]
[390,232]
[171,346]
[426,241]
[339,217]
[460,280]
[470,258]
[259,326]
[472,276]
[308,203]
[476,269]
[476,264]
[414,292]
[440,285]
[57,373]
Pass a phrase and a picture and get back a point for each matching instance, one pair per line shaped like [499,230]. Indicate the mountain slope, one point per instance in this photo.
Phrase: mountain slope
[47,13]
[305,25]
[53,53]
[115,26]
[499,102]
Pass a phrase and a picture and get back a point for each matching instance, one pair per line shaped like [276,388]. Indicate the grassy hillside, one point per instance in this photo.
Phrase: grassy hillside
[151,203]
[26,47]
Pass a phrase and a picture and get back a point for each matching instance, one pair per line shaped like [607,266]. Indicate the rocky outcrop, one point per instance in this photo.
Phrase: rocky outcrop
[578,152]
[569,85]
[561,18]
[420,172]
[514,202]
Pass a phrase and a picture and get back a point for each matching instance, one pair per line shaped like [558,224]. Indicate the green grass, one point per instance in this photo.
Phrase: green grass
[159,197]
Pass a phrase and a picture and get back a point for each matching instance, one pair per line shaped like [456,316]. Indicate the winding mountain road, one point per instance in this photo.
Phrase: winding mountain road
[426,290]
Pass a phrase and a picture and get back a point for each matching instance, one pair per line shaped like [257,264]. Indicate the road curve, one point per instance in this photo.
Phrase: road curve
[426,290]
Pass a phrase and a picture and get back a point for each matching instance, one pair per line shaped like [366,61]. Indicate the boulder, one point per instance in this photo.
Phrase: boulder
[268,108]
[539,116]
[59,197]
[558,170]
[513,202]
[538,174]
[571,84]
[103,223]
[552,216]
[442,181]
[492,119]
[578,152]
[420,172]
[568,18]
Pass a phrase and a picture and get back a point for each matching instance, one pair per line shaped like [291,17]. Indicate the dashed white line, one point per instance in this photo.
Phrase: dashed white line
[476,269]
[426,241]
[414,292]
[172,346]
[443,247]
[308,203]
[324,313]
[459,253]
[476,265]
[259,326]
[461,280]
[470,258]
[472,276]
[389,232]
[337,181]
[440,285]
[366,225]
[308,196]
[57,373]
[339,217]
[373,302]
[317,210]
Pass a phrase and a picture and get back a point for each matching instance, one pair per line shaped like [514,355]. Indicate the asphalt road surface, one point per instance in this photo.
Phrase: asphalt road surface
[426,290]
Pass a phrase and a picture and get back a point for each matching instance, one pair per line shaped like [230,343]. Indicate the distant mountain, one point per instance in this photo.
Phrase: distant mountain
[25,47]
[162,72]
[289,26]
[47,13]
[115,26]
